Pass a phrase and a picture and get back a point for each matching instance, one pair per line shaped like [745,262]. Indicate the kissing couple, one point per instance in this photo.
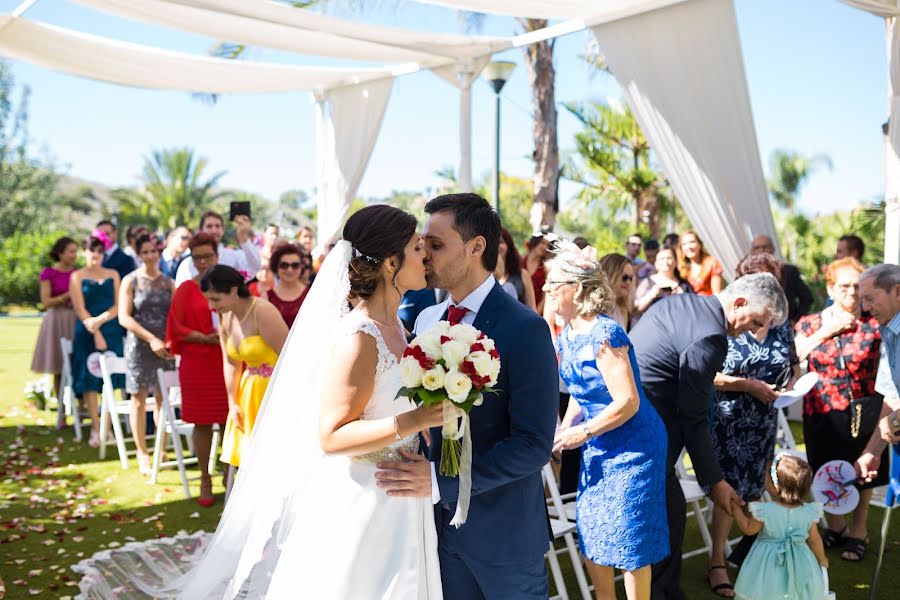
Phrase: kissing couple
[339,496]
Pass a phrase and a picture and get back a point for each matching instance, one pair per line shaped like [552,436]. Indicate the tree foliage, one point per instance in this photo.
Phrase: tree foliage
[789,171]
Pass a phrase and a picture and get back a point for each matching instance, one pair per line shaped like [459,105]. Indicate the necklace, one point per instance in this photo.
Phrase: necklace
[249,310]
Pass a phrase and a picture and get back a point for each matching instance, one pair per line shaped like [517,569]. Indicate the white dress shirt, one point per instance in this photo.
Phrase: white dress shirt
[431,315]
[246,259]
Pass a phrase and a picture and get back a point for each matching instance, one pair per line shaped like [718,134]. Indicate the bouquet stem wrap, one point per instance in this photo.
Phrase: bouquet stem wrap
[457,458]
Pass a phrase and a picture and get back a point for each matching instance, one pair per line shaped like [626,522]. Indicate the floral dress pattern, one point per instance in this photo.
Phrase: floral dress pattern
[744,428]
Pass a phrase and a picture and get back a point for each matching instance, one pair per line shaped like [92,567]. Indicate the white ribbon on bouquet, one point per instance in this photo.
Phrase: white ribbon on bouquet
[454,430]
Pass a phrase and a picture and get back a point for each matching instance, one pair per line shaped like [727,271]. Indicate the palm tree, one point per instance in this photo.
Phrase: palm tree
[789,171]
[174,191]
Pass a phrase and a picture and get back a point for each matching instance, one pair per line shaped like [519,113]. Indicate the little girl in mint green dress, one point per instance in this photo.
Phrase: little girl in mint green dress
[788,557]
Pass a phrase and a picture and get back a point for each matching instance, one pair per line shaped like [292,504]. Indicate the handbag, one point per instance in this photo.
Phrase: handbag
[862,410]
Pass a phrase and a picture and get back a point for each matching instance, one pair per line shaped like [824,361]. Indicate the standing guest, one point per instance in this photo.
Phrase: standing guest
[879,289]
[263,282]
[270,238]
[131,235]
[246,259]
[621,492]
[671,241]
[191,334]
[648,268]
[841,412]
[620,274]
[306,237]
[293,266]
[633,248]
[59,319]
[702,270]
[681,344]
[94,290]
[800,297]
[144,300]
[850,246]
[113,256]
[509,272]
[538,248]
[745,422]
[661,284]
[252,333]
[176,250]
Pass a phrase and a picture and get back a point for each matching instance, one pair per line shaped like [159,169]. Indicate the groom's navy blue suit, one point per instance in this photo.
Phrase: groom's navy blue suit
[499,551]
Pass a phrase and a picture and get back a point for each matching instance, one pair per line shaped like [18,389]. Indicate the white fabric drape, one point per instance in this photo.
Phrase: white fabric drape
[593,11]
[892,148]
[882,8]
[347,123]
[682,73]
[462,76]
[124,63]
[280,26]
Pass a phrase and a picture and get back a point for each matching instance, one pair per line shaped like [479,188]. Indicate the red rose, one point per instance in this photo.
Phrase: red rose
[477,347]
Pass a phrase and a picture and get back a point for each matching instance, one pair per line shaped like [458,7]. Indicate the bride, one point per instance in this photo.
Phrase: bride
[305,518]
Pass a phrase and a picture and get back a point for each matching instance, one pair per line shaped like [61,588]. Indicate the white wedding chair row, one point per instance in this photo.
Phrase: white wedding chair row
[67,403]
[562,522]
[114,407]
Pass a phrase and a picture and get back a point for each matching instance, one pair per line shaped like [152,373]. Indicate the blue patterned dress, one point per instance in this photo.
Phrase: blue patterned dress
[621,502]
[743,427]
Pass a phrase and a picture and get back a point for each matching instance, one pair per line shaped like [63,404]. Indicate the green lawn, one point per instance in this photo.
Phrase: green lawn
[59,503]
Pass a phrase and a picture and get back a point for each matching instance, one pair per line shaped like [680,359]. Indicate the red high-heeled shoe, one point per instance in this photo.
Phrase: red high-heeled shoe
[206,486]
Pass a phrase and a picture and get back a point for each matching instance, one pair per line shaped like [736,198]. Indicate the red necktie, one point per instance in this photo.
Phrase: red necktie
[456,313]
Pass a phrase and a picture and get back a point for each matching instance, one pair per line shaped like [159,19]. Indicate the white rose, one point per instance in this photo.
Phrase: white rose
[454,352]
[488,344]
[458,385]
[440,328]
[433,379]
[464,333]
[430,344]
[411,372]
[485,365]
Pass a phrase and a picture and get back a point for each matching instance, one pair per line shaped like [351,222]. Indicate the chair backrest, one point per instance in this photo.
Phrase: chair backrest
[110,366]
[65,346]
[170,389]
[553,488]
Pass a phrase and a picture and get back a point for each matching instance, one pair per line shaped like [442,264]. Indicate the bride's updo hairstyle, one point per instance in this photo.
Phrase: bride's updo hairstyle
[596,295]
[376,233]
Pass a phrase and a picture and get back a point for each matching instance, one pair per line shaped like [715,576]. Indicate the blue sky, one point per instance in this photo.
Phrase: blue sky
[816,71]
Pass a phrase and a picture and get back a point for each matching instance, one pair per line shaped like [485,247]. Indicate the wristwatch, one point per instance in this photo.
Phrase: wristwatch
[587,431]
[895,421]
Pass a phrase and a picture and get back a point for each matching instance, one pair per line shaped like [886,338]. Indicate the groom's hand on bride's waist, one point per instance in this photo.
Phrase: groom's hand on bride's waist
[408,479]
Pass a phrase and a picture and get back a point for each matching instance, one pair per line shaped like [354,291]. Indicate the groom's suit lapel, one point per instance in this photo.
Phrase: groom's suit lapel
[490,310]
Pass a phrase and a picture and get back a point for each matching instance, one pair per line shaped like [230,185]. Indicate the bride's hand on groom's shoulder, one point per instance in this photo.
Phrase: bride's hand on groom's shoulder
[407,479]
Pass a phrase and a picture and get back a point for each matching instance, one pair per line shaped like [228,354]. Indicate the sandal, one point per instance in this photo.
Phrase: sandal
[833,539]
[855,547]
[94,440]
[206,498]
[722,590]
[144,464]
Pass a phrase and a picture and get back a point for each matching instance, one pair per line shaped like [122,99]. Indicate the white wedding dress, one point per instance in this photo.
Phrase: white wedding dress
[298,524]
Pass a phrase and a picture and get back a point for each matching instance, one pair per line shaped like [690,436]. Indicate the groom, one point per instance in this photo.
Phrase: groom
[499,551]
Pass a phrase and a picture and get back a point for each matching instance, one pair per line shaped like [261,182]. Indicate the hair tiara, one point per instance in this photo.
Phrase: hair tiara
[359,254]
[773,470]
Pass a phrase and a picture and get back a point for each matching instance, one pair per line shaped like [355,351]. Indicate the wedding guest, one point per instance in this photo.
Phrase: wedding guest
[620,274]
[176,250]
[671,241]
[246,259]
[509,272]
[745,422]
[879,289]
[841,412]
[306,238]
[581,242]
[633,246]
[648,268]
[132,233]
[702,270]
[58,320]
[850,246]
[191,334]
[681,344]
[661,284]
[113,256]
[263,282]
[538,248]
[800,297]
[293,266]
[145,297]
[94,290]
[621,492]
[251,334]
[413,303]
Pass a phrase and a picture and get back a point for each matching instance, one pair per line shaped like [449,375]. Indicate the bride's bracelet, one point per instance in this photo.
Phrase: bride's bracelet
[397,429]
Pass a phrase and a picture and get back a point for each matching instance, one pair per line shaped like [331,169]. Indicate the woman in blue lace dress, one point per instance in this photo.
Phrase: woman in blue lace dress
[621,502]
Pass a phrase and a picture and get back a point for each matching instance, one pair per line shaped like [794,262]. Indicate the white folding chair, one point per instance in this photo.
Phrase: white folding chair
[174,429]
[111,408]
[67,403]
[699,507]
[563,528]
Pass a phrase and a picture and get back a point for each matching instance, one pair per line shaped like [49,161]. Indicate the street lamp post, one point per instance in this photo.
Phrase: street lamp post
[497,73]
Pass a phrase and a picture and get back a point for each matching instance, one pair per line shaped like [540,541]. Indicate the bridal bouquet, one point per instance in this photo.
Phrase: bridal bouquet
[457,363]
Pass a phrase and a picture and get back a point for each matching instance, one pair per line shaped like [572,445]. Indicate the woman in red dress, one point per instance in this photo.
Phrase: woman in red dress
[702,270]
[293,266]
[190,333]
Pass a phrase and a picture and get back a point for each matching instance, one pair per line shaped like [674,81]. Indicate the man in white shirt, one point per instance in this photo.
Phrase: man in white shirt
[245,259]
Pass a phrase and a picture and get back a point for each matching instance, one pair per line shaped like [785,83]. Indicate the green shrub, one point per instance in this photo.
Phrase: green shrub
[22,258]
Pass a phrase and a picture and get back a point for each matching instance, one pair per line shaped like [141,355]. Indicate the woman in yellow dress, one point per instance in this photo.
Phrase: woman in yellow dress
[252,334]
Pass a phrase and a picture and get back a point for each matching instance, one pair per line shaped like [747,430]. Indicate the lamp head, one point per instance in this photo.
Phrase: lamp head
[498,72]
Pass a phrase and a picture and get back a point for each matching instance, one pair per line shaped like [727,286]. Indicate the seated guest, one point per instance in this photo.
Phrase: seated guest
[94,291]
[621,494]
[191,334]
[58,320]
[509,272]
[113,256]
[619,272]
[252,333]
[661,284]
[759,362]
[799,295]
[176,250]
[144,300]
[648,268]
[699,268]
[293,266]
[841,412]
[246,259]
[681,344]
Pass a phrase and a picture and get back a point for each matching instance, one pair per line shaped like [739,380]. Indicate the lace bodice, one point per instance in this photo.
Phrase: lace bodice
[383,402]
